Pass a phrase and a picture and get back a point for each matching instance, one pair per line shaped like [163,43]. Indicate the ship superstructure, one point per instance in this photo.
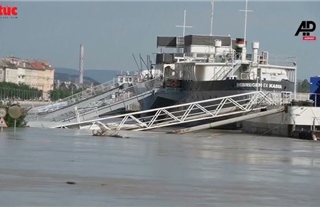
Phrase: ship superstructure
[215,66]
[198,67]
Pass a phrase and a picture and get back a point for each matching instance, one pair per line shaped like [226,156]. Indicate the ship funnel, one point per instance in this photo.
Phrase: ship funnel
[217,45]
[255,48]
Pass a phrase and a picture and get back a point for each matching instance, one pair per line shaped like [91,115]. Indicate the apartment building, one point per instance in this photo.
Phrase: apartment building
[35,73]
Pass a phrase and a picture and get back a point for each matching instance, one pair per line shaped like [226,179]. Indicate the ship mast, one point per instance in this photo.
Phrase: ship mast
[245,29]
[211,25]
[184,24]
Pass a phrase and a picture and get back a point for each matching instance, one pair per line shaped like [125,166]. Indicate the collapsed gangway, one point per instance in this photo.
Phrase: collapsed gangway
[102,103]
[77,98]
[234,105]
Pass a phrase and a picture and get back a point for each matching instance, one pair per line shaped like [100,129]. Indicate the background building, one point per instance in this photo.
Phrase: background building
[35,73]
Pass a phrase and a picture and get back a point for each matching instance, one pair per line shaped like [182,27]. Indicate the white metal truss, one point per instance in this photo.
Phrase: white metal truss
[190,112]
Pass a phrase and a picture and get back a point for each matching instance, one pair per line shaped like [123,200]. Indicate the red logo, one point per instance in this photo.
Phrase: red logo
[309,38]
[8,11]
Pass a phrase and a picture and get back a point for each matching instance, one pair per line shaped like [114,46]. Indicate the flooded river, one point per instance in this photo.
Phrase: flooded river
[156,169]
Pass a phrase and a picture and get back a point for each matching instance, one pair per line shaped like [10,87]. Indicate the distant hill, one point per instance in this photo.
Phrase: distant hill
[74,78]
[97,75]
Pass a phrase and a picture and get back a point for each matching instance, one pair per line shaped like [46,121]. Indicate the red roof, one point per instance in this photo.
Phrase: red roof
[38,65]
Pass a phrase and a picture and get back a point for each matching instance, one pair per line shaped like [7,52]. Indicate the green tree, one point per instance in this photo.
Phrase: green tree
[303,86]
[22,91]
[57,94]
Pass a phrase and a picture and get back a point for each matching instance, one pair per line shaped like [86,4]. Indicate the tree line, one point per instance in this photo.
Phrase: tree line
[57,94]
[19,91]
[303,86]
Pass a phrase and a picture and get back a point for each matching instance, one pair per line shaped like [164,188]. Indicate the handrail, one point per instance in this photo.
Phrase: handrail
[93,91]
[130,92]
[221,72]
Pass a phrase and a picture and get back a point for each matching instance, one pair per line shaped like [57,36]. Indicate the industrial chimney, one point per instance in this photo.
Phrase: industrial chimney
[81,64]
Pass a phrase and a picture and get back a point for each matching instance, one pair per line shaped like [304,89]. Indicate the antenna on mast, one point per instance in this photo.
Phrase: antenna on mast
[184,23]
[245,21]
[245,28]
[212,8]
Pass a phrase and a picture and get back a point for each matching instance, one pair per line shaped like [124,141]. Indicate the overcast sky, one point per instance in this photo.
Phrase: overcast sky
[112,31]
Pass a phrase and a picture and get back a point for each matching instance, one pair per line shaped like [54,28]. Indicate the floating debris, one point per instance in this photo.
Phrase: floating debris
[110,135]
[104,131]
[70,182]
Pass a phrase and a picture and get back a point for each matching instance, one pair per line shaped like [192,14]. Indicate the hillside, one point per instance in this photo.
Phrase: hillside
[89,74]
[74,78]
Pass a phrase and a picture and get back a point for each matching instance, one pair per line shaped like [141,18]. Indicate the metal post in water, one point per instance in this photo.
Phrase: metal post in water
[15,125]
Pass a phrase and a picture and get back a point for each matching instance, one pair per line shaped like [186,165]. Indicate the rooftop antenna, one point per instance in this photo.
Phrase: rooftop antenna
[245,27]
[212,8]
[184,24]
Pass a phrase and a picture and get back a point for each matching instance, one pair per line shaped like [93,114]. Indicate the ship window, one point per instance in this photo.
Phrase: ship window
[121,80]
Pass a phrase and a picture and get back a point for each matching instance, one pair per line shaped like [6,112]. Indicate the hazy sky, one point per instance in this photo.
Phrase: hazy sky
[112,31]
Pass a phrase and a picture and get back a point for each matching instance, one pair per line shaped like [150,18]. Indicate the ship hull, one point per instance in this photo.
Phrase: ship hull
[192,91]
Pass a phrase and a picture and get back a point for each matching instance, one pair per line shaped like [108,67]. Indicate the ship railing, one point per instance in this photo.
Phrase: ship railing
[315,97]
[221,72]
[280,98]
[281,60]
[78,97]
[89,92]
[205,57]
[286,97]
